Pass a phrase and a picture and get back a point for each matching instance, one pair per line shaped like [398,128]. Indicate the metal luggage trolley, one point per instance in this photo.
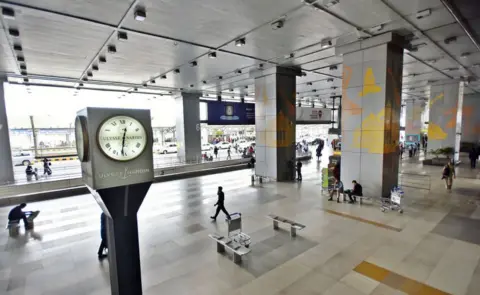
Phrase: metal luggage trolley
[235,230]
[394,202]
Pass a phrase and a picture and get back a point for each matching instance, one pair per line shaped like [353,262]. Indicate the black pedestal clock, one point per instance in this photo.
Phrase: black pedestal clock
[115,150]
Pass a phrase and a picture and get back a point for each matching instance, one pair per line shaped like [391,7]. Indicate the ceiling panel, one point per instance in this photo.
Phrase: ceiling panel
[55,45]
[407,7]
[95,10]
[208,22]
[140,58]
[364,13]
[7,60]
[303,27]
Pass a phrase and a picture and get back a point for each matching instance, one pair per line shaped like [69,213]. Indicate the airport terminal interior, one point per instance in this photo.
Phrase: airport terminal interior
[254,147]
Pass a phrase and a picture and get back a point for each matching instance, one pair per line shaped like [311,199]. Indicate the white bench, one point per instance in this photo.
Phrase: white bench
[224,242]
[294,226]
[361,198]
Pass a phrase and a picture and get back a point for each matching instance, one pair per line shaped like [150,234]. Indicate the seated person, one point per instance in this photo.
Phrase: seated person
[338,188]
[357,191]
[16,214]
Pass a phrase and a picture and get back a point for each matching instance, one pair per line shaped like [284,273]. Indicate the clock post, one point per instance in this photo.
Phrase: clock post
[115,150]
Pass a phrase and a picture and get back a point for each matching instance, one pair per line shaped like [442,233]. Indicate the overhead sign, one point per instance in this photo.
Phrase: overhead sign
[312,115]
[230,113]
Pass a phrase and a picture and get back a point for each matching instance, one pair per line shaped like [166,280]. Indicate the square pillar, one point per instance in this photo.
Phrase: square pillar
[188,127]
[275,116]
[471,120]
[444,124]
[413,120]
[6,166]
[371,104]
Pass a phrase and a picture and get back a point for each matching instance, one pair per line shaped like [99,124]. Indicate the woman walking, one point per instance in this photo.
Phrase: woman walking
[448,174]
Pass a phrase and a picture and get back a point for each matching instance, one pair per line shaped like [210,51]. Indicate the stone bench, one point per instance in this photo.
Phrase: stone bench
[224,242]
[294,226]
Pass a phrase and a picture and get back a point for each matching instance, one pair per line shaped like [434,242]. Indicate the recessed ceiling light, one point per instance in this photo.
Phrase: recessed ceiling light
[8,13]
[240,42]
[80,84]
[25,80]
[20,58]
[231,89]
[176,71]
[122,36]
[17,47]
[193,64]
[330,80]
[85,78]
[191,85]
[89,74]
[219,97]
[450,40]
[238,71]
[112,49]
[135,89]
[277,24]
[23,67]
[304,74]
[94,68]
[333,68]
[423,13]
[145,85]
[377,28]
[23,73]
[170,92]
[233,96]
[153,81]
[204,82]
[314,90]
[465,54]
[140,14]
[212,55]
[325,43]
[220,77]
[181,89]
[476,65]
[260,66]
[309,83]
[102,59]
[14,32]
[246,87]
[163,77]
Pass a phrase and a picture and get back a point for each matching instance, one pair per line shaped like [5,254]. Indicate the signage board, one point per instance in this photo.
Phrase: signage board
[312,115]
[230,113]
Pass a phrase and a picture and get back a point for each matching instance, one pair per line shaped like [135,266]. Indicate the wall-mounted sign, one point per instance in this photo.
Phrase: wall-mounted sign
[312,115]
[230,113]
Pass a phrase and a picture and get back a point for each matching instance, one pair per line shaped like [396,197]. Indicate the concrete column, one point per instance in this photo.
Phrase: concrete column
[471,120]
[413,120]
[188,127]
[371,104]
[275,116]
[6,167]
[444,124]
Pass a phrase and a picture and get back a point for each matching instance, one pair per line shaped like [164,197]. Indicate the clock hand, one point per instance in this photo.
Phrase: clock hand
[123,140]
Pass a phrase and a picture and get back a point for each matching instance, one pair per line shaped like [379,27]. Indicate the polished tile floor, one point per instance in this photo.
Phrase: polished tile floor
[433,248]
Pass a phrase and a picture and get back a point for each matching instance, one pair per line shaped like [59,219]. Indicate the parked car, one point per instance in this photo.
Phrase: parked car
[207,147]
[223,145]
[22,158]
[168,148]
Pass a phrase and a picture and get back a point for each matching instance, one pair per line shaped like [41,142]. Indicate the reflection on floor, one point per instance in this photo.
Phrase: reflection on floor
[434,251]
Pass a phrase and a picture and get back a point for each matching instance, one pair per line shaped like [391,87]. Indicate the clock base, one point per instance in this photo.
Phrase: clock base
[120,205]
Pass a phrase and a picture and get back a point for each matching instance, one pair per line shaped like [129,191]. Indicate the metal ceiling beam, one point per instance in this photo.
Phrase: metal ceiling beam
[461,21]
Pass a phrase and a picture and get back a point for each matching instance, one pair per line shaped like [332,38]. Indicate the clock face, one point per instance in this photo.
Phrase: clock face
[122,138]
[81,138]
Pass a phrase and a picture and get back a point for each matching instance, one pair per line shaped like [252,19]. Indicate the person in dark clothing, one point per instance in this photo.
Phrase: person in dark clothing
[31,172]
[251,163]
[16,214]
[291,169]
[228,154]
[357,191]
[215,151]
[299,170]
[103,236]
[472,155]
[336,171]
[319,152]
[46,167]
[220,204]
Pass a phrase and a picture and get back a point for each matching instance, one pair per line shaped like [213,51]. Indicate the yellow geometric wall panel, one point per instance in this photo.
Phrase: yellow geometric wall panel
[436,132]
[369,85]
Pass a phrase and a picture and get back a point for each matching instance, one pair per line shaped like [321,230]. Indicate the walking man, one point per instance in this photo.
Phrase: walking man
[229,157]
[473,158]
[220,204]
[299,170]
[103,236]
[215,151]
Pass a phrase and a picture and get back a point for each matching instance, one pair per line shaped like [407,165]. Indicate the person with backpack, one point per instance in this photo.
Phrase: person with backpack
[448,174]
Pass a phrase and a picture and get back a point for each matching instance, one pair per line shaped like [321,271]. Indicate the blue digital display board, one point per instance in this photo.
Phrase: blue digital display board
[230,113]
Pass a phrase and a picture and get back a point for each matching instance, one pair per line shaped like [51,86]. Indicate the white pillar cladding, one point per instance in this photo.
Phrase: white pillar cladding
[275,116]
[371,104]
[6,167]
[413,120]
[444,124]
[471,119]
[188,127]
